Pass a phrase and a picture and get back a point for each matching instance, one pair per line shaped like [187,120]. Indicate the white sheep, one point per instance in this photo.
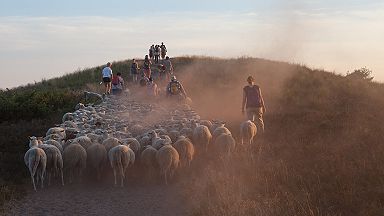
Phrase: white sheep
[133,144]
[84,141]
[224,145]
[56,130]
[96,158]
[202,137]
[54,164]
[185,149]
[218,131]
[120,157]
[168,160]
[111,142]
[36,160]
[248,131]
[148,160]
[68,117]
[75,160]
[55,143]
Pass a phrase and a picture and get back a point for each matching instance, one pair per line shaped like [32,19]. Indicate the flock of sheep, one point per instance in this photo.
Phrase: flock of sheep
[118,134]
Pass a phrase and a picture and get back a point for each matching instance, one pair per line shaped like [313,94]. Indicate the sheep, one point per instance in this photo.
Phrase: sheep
[157,141]
[56,130]
[224,145]
[93,95]
[55,143]
[206,123]
[218,131]
[95,137]
[148,160]
[96,158]
[79,106]
[75,160]
[168,160]
[248,131]
[36,160]
[54,163]
[110,143]
[84,141]
[120,157]
[202,137]
[185,149]
[68,117]
[133,144]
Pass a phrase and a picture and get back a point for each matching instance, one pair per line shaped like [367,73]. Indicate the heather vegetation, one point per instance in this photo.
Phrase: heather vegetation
[321,154]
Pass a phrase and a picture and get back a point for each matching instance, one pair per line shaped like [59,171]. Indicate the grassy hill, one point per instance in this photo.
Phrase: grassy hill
[322,153]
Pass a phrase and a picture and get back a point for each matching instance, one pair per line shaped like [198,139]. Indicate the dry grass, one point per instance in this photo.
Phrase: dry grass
[322,153]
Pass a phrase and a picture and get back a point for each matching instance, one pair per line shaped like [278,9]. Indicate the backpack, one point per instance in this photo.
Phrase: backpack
[115,80]
[174,88]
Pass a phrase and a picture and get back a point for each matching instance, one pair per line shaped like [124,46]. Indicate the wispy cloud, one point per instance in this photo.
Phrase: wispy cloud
[51,46]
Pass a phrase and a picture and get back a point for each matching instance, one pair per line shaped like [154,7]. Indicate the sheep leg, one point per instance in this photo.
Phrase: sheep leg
[62,177]
[49,178]
[33,182]
[114,174]
[122,176]
[42,179]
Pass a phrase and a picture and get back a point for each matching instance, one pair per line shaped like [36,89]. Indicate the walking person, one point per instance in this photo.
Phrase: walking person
[151,51]
[134,71]
[157,53]
[107,78]
[168,68]
[163,50]
[253,102]
[147,67]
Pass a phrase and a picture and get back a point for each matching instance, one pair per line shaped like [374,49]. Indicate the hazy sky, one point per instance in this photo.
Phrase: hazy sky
[48,38]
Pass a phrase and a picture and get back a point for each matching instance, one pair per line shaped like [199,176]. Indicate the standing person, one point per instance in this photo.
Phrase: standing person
[147,67]
[157,53]
[151,51]
[163,50]
[254,103]
[134,70]
[117,84]
[107,76]
[168,68]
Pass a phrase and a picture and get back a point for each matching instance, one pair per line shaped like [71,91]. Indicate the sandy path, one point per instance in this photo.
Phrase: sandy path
[101,200]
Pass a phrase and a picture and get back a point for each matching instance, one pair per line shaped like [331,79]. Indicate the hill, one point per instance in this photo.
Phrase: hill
[322,153]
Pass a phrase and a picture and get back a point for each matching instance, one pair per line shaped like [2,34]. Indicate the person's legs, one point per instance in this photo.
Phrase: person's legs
[255,114]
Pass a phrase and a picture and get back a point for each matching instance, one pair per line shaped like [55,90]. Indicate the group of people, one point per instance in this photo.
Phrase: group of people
[155,51]
[252,104]
[115,83]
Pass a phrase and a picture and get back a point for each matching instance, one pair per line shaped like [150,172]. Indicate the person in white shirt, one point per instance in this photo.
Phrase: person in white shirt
[107,78]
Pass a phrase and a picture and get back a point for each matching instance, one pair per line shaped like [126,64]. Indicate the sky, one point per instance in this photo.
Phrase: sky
[42,39]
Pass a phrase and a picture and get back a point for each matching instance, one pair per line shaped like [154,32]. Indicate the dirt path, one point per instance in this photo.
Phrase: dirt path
[101,200]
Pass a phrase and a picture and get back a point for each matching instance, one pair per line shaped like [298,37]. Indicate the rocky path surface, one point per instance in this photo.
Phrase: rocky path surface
[135,198]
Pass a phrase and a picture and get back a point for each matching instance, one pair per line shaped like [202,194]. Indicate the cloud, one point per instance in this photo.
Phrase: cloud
[331,39]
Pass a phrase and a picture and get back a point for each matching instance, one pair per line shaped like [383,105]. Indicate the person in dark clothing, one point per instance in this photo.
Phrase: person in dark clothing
[253,103]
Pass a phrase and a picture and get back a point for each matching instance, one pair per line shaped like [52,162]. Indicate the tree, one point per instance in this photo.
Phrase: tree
[362,74]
